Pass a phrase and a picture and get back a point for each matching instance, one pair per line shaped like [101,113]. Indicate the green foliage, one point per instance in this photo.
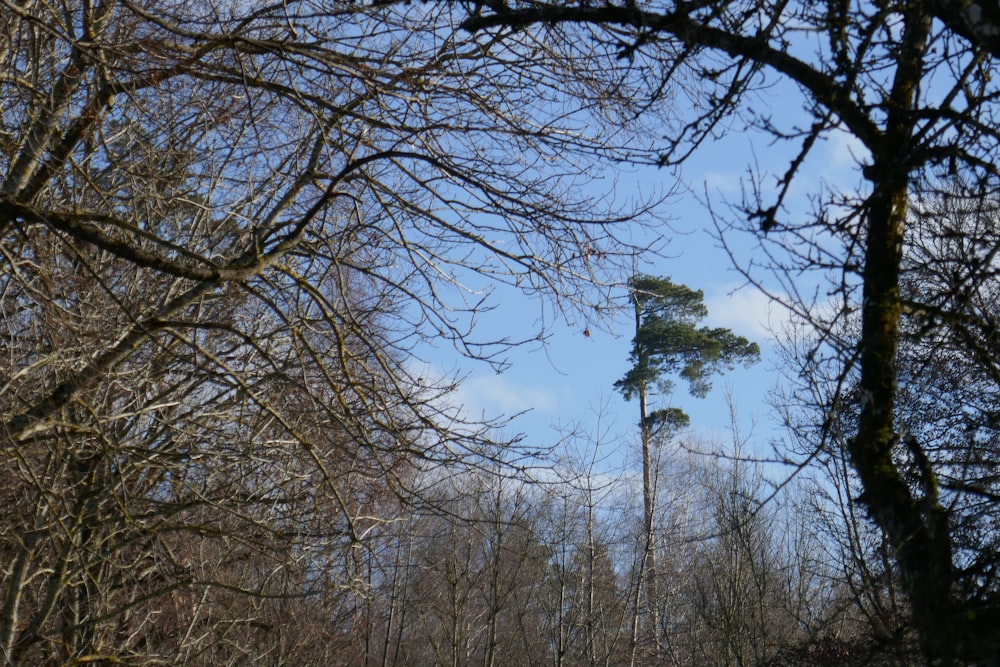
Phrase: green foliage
[670,418]
[668,341]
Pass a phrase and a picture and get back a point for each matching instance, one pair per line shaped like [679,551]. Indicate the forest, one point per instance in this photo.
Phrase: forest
[232,231]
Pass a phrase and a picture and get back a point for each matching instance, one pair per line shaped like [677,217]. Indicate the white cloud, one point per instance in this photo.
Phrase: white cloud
[845,150]
[748,312]
[497,394]
[722,183]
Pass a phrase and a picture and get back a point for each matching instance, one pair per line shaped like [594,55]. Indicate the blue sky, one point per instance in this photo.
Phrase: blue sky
[568,380]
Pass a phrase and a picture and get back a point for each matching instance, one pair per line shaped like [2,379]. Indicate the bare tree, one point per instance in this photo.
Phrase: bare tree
[476,574]
[586,604]
[225,230]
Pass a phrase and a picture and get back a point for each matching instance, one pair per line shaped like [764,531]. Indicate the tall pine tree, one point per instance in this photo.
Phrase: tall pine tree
[668,342]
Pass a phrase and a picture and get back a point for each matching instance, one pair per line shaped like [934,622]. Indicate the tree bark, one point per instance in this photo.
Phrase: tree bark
[917,525]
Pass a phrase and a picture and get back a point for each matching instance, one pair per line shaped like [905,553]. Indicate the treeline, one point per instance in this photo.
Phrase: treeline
[498,570]
[507,572]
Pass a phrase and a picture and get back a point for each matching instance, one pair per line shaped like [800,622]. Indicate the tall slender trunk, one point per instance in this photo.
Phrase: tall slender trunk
[591,644]
[646,620]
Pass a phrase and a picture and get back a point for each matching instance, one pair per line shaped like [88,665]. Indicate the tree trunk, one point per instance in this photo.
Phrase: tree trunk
[916,525]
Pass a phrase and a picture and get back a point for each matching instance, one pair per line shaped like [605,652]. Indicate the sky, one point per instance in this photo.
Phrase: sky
[569,381]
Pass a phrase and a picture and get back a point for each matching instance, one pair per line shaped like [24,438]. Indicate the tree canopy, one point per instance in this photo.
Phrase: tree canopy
[669,341]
